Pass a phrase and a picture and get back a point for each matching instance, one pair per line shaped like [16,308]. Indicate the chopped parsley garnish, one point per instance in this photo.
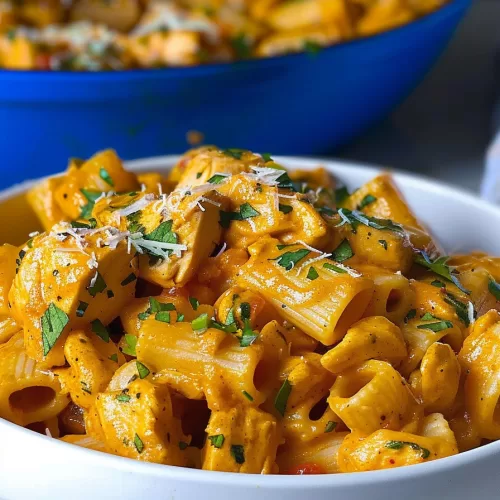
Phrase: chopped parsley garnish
[330,426]
[439,267]
[343,252]
[280,247]
[332,267]
[163,316]
[82,307]
[460,308]
[217,179]
[246,212]
[100,330]
[198,175]
[411,314]
[194,303]
[312,48]
[129,279]
[312,274]
[248,396]
[114,357]
[289,259]
[131,341]
[234,153]
[341,194]
[158,308]
[139,445]
[80,225]
[85,387]
[494,288]
[286,209]
[99,285]
[436,327]
[162,234]
[53,322]
[246,310]
[241,47]
[91,197]
[397,445]
[200,323]
[354,218]
[217,441]
[367,200]
[438,284]
[183,445]
[142,370]
[104,175]
[281,399]
[123,398]
[429,317]
[383,243]
[248,336]
[266,157]
[134,222]
[238,453]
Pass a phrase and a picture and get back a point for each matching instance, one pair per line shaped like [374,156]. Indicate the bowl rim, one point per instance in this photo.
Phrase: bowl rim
[113,462]
[258,63]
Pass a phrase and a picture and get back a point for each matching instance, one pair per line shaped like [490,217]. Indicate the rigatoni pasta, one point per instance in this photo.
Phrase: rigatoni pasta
[238,317]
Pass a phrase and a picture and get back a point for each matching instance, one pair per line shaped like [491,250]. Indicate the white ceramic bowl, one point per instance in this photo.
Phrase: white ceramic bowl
[35,466]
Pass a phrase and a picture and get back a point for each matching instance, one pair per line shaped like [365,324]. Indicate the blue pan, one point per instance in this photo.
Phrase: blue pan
[295,104]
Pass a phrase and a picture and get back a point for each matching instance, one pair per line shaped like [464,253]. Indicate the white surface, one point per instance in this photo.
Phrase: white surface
[35,466]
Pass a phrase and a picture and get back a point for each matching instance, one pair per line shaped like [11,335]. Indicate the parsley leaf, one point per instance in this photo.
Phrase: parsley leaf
[131,341]
[411,314]
[343,252]
[248,396]
[286,209]
[289,259]
[217,179]
[460,308]
[312,48]
[398,445]
[104,175]
[234,152]
[312,274]
[248,336]
[142,370]
[436,327]
[353,217]
[366,201]
[100,330]
[139,445]
[281,399]
[439,267]
[99,285]
[163,234]
[217,441]
[383,243]
[438,284]
[246,212]
[53,322]
[82,307]
[238,453]
[114,357]
[266,157]
[241,47]
[332,267]
[330,426]
[91,196]
[494,288]
[194,303]
[123,398]
[341,194]
[163,316]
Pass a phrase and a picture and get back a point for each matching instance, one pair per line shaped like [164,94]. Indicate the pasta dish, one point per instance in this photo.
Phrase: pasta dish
[94,35]
[235,316]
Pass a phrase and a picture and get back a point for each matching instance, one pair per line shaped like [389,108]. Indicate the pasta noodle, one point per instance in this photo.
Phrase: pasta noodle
[239,317]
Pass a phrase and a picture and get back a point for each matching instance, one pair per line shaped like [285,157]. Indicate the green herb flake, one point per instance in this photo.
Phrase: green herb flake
[354,218]
[142,370]
[341,194]
[99,285]
[82,307]
[114,357]
[131,342]
[85,387]
[80,225]
[53,322]
[163,316]
[286,209]
[312,274]
[266,157]
[440,267]
[246,310]
[162,234]
[217,441]
[180,317]
[129,279]
[234,153]
[194,303]
[429,317]
[183,445]
[198,175]
[123,398]
[247,211]
[312,48]
[200,323]
[367,200]
[91,196]
[238,453]
[100,330]
[281,399]
[332,267]
[438,284]
[330,426]
[139,445]
[383,243]
[248,396]
[411,314]
[104,175]
[217,179]
[436,327]
[398,445]
[289,259]
[242,48]
[494,288]
[461,309]
[343,252]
